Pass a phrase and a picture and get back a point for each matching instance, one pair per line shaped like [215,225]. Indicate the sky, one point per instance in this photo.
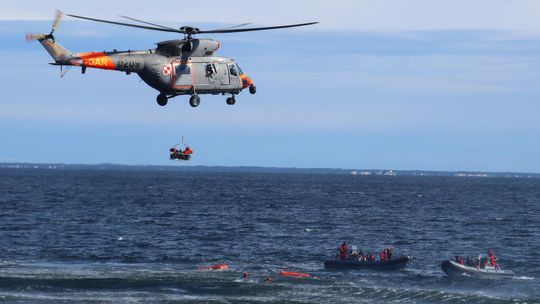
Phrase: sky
[387,84]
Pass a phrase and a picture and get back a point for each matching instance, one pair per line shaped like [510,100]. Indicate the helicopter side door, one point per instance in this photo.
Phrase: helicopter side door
[182,77]
[223,73]
[205,74]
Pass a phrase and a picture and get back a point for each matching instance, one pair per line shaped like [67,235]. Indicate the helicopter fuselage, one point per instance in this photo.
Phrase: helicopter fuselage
[175,67]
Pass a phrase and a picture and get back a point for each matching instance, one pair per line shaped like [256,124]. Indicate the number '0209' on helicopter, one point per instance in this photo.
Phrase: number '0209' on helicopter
[185,66]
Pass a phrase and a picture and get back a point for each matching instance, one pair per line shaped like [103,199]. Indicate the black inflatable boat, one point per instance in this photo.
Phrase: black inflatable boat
[396,263]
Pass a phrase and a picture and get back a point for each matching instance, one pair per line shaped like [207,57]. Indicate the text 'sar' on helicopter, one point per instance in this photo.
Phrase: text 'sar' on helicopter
[185,66]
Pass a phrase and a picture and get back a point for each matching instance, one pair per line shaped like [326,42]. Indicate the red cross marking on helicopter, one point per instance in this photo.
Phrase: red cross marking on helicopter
[167,69]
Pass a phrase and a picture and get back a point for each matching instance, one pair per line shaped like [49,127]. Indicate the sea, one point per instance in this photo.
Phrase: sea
[142,236]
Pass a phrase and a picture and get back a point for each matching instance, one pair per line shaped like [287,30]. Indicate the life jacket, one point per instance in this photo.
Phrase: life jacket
[492,260]
[383,256]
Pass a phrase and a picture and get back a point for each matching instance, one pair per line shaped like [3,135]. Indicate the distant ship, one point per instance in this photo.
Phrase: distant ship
[354,172]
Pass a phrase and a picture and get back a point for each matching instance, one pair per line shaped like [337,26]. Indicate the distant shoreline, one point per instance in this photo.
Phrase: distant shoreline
[254,169]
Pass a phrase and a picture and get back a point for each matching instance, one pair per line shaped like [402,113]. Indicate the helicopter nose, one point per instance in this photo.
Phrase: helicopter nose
[246,81]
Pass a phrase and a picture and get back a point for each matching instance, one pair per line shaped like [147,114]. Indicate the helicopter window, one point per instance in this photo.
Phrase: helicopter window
[183,69]
[232,70]
[168,50]
[240,72]
[211,69]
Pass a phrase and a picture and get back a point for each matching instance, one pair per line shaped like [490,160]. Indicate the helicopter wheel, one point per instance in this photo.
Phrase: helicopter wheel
[195,101]
[231,101]
[252,89]
[162,99]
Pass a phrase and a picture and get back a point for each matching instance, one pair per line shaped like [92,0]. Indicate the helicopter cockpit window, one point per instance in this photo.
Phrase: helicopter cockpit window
[240,72]
[232,70]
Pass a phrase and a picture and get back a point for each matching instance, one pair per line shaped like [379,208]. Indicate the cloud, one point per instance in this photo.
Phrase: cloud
[366,15]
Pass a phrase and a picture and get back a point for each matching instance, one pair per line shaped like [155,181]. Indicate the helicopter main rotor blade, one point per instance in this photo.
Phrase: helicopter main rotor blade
[190,30]
[233,27]
[129,24]
[149,23]
[239,25]
[222,31]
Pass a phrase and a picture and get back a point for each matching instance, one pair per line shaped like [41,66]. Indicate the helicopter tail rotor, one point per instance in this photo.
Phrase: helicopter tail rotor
[61,55]
[56,22]
[32,37]
[54,27]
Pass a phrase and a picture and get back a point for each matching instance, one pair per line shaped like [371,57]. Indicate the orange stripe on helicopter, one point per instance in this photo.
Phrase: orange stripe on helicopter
[97,60]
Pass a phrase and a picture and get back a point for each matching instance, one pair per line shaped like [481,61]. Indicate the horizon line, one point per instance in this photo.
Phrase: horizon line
[351,171]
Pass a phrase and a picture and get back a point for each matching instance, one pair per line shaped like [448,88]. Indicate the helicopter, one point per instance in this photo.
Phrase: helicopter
[187,66]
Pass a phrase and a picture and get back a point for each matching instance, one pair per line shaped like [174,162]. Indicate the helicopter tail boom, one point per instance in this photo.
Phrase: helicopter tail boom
[60,54]
[97,60]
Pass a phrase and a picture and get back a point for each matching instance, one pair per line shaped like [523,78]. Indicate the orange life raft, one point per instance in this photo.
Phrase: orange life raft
[215,267]
[294,274]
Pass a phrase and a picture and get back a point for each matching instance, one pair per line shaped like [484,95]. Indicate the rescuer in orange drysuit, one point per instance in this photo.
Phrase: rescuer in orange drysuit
[343,251]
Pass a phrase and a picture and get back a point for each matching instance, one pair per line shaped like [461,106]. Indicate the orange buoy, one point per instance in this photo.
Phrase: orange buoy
[294,274]
[215,267]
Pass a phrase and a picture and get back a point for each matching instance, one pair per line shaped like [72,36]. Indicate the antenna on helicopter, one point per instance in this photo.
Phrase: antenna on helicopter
[55,25]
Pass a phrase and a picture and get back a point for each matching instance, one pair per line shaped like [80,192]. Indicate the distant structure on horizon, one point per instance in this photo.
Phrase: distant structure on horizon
[374,172]
[240,169]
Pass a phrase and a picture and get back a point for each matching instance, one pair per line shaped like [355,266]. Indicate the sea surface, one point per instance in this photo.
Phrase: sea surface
[91,236]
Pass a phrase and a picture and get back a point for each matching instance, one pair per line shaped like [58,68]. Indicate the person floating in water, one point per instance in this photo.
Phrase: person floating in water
[343,251]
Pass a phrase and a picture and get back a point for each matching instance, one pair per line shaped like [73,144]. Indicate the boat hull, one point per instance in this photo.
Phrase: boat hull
[392,265]
[456,270]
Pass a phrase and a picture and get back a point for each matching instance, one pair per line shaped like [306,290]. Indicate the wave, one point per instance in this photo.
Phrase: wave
[60,282]
[526,278]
